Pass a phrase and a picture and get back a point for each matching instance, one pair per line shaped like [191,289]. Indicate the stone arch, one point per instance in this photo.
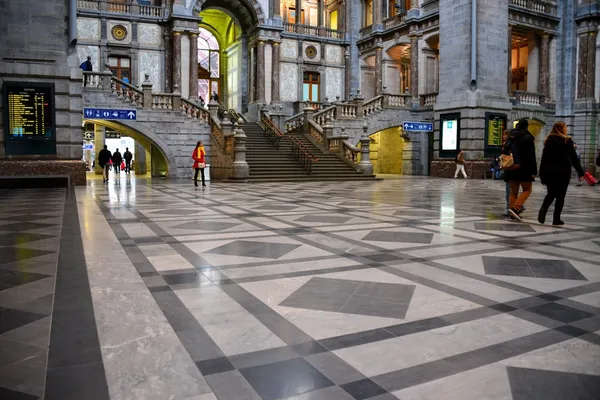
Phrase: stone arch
[247,13]
[137,132]
[537,126]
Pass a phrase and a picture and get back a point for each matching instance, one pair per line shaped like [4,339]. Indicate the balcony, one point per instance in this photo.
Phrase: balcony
[309,30]
[115,7]
[539,6]
[528,99]
[394,21]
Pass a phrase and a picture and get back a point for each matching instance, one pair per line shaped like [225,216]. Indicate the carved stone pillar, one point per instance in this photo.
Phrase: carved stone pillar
[342,16]
[414,65]
[275,74]
[298,11]
[544,87]
[276,9]
[320,13]
[365,164]
[168,63]
[348,74]
[193,66]
[260,64]
[509,67]
[177,60]
[591,66]
[378,70]
[377,6]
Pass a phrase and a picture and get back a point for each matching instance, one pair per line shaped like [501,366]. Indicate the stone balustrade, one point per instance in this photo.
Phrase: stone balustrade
[372,106]
[116,7]
[310,30]
[346,111]
[430,6]
[126,92]
[316,132]
[394,21]
[428,100]
[541,6]
[321,117]
[397,100]
[294,122]
[528,98]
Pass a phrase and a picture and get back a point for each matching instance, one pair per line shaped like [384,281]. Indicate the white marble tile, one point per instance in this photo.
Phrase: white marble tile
[170,263]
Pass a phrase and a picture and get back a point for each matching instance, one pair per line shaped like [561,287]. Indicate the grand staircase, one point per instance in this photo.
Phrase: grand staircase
[268,164]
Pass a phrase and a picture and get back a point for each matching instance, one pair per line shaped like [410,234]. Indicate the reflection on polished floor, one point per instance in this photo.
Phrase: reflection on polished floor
[402,289]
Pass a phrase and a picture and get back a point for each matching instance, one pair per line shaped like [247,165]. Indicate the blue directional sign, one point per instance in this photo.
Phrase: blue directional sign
[409,126]
[107,113]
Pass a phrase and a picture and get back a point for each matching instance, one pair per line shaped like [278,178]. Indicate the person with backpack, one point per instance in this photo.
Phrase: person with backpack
[522,172]
[460,164]
[86,66]
[555,170]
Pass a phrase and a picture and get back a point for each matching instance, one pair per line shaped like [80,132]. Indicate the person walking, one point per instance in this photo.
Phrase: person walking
[117,160]
[460,164]
[199,163]
[128,157]
[558,157]
[104,157]
[523,142]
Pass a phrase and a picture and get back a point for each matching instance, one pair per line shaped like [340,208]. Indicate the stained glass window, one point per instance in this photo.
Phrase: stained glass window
[209,65]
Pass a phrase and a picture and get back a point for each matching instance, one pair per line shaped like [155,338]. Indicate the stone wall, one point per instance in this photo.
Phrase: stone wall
[35,49]
[74,169]
[474,169]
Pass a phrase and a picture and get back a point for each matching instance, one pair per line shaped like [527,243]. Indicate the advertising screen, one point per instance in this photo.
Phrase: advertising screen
[450,134]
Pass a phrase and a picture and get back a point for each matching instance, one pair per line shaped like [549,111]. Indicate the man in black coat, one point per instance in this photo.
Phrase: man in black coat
[104,157]
[117,160]
[127,156]
[522,177]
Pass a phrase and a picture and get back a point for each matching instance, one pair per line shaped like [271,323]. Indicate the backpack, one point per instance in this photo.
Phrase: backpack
[509,159]
[83,66]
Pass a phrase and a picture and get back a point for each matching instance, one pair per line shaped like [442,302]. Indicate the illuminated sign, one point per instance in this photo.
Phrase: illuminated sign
[29,118]
[496,124]
[450,135]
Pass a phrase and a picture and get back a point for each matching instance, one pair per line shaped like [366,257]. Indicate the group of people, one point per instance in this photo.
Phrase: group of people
[558,157]
[106,159]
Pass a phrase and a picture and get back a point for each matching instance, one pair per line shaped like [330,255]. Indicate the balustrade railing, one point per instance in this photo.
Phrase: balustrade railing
[294,122]
[321,117]
[396,20]
[397,100]
[316,132]
[428,100]
[366,30]
[346,111]
[528,98]
[93,79]
[372,106]
[315,105]
[121,8]
[162,101]
[194,111]
[310,30]
[302,154]
[541,6]
[271,131]
[126,92]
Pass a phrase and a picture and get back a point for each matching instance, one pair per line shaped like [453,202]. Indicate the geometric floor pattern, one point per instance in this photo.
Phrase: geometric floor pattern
[408,289]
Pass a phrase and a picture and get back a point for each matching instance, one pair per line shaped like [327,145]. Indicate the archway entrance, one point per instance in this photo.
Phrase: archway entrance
[386,149]
[149,158]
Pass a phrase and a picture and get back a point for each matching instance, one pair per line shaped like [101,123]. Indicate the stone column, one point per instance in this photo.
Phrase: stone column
[342,16]
[377,6]
[193,66]
[241,170]
[260,64]
[544,87]
[582,66]
[139,165]
[414,66]
[177,60]
[168,63]
[298,11]
[509,67]
[591,66]
[378,69]
[276,9]
[99,134]
[275,74]
[365,164]
[320,13]
[348,71]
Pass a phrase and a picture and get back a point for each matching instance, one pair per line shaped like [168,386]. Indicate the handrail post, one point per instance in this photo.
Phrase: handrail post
[240,169]
[147,93]
[327,132]
[308,116]
[106,83]
[359,100]
[226,124]
[176,98]
[365,164]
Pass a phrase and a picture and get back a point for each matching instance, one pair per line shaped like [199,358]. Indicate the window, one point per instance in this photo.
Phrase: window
[368,13]
[333,20]
[291,16]
[311,88]
[120,67]
[209,60]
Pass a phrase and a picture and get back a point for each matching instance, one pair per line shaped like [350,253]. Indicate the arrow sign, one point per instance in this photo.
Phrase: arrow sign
[107,113]
[411,126]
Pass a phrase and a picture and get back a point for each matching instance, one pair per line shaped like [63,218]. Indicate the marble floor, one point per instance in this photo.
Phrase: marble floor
[405,289]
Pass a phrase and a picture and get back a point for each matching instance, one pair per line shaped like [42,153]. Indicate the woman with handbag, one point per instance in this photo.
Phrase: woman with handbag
[555,170]
[199,163]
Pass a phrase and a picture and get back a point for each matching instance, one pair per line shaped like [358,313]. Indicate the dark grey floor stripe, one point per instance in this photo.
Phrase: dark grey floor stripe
[75,368]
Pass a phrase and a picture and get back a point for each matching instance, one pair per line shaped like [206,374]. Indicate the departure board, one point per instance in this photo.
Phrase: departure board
[29,117]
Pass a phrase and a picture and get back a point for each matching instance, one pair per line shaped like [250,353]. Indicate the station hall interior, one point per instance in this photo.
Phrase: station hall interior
[292,224]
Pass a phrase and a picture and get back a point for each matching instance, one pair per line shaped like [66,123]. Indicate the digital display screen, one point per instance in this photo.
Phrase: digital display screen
[29,118]
[450,134]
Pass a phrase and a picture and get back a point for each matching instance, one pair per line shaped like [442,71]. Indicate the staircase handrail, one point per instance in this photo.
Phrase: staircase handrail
[302,154]
[400,100]
[127,91]
[295,121]
[321,116]
[271,131]
[315,131]
[341,146]
[373,105]
[194,110]
[93,79]
[235,116]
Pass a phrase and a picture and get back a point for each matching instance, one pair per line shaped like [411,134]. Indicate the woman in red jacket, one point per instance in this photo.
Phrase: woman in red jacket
[199,164]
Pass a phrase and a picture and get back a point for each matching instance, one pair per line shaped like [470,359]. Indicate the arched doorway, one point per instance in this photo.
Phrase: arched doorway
[209,65]
[386,149]
[151,157]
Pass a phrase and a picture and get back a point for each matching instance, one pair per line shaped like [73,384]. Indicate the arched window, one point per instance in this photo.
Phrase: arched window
[209,60]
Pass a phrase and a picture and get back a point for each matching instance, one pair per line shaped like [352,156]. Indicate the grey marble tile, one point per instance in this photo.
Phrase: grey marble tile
[231,385]
[334,368]
[560,312]
[532,384]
